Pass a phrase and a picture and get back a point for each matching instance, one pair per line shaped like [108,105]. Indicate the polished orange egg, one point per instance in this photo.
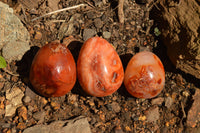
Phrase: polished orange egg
[144,75]
[53,70]
[99,68]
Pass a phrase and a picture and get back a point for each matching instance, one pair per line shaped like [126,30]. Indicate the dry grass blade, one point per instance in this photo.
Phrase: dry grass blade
[61,10]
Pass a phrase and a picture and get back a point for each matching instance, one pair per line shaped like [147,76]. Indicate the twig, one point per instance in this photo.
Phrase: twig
[9,72]
[57,21]
[182,107]
[23,10]
[120,11]
[61,10]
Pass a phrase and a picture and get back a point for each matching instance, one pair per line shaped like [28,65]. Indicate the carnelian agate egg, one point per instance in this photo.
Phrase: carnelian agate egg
[53,70]
[100,71]
[144,75]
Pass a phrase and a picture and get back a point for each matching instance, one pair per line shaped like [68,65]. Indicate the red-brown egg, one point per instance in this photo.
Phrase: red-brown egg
[53,70]
[144,75]
[99,68]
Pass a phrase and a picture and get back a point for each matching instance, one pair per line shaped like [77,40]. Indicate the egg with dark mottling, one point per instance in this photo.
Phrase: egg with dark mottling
[144,75]
[99,68]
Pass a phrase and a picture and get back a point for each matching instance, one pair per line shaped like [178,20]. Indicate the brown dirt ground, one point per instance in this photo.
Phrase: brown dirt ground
[120,111]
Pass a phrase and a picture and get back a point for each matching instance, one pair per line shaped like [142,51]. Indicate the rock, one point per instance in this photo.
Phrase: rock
[22,112]
[118,129]
[106,35]
[77,125]
[37,129]
[38,35]
[30,93]
[10,110]
[21,125]
[168,102]
[194,113]
[2,102]
[14,39]
[152,114]
[71,98]
[5,125]
[14,97]
[179,27]
[157,101]
[98,3]
[55,105]
[53,4]
[26,99]
[98,23]
[115,107]
[88,33]
[39,116]
[29,4]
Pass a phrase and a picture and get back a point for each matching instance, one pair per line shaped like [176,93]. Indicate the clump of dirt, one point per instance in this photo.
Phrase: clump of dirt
[179,24]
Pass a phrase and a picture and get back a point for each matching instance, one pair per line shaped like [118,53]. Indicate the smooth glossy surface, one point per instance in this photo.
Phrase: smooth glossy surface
[144,75]
[100,71]
[53,70]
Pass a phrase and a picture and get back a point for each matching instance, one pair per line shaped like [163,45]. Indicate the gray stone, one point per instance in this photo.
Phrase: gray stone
[30,93]
[193,116]
[37,129]
[14,98]
[152,114]
[14,39]
[5,125]
[115,107]
[77,125]
[157,101]
[39,116]
[26,99]
[98,23]
[106,35]
[168,102]
[88,33]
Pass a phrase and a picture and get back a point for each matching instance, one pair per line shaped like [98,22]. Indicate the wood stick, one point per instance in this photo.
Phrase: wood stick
[120,11]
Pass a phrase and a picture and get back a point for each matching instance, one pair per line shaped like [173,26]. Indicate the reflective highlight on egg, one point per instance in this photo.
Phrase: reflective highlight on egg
[53,70]
[144,75]
[99,68]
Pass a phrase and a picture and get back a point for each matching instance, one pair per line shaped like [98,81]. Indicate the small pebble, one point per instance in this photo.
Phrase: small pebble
[157,101]
[38,35]
[22,112]
[26,99]
[106,35]
[98,23]
[21,126]
[115,106]
[88,33]
[39,116]
[55,105]
[168,102]
[72,98]
[152,114]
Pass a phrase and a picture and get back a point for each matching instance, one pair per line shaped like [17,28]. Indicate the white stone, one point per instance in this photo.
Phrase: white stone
[14,99]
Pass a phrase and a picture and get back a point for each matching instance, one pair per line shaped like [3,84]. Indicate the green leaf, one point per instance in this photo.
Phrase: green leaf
[2,62]
[156,31]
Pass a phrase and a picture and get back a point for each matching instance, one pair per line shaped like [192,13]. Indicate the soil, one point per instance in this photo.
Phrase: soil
[119,112]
